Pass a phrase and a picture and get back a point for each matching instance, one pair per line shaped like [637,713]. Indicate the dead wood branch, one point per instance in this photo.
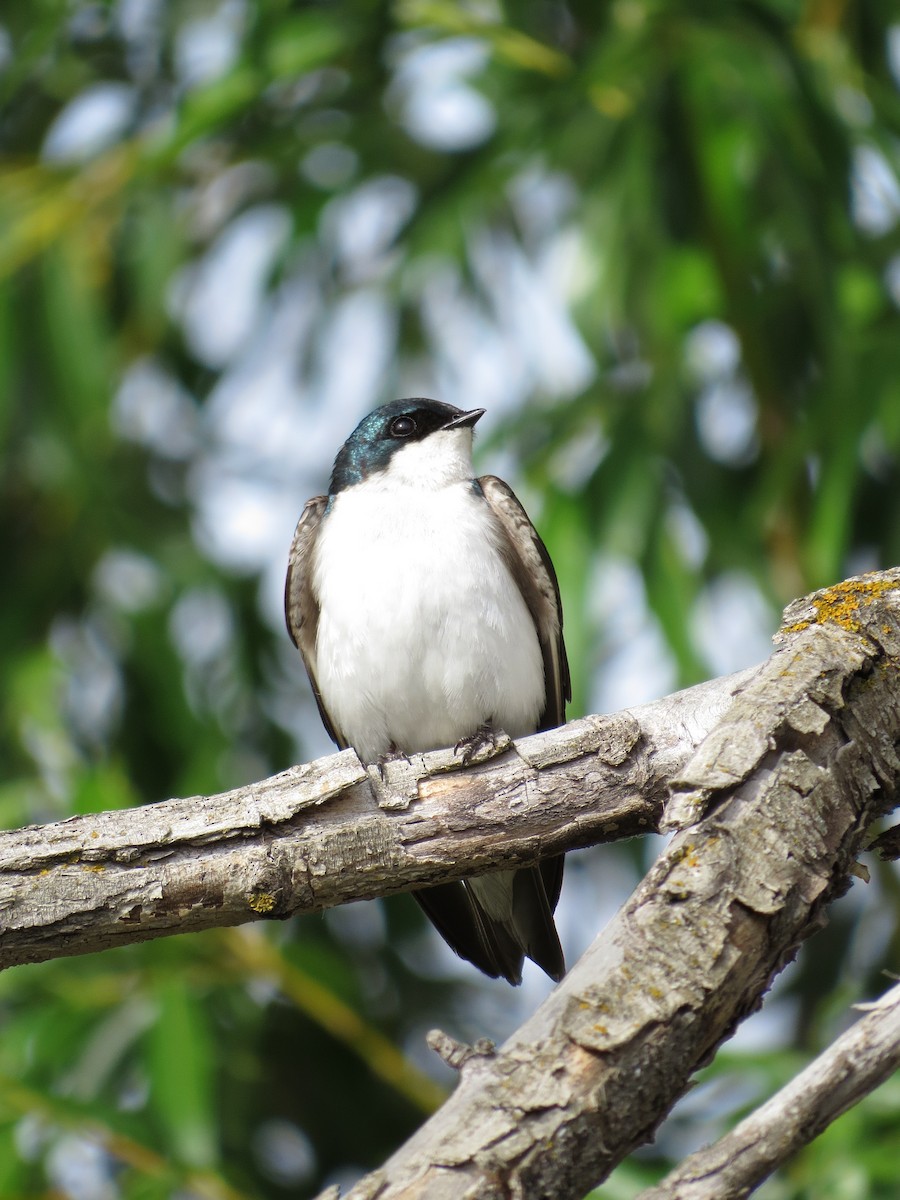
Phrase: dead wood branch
[331,831]
[783,787]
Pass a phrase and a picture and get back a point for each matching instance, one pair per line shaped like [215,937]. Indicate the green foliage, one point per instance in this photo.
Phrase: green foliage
[669,255]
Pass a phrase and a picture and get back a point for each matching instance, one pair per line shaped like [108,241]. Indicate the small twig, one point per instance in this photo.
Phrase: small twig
[456,1054]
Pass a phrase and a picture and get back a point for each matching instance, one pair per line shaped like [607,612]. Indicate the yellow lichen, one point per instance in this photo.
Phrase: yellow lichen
[261,902]
[842,603]
[797,627]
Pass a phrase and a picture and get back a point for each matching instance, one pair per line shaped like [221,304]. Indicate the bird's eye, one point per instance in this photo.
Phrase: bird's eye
[402,427]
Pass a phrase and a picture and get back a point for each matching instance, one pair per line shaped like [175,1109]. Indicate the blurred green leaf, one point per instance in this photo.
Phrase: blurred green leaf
[645,233]
[302,42]
[207,108]
[181,1066]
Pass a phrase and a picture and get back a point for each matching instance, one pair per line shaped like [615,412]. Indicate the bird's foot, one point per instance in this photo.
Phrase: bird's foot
[485,735]
[391,756]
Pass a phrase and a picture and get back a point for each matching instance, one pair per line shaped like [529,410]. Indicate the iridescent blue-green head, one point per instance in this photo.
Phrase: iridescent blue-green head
[414,442]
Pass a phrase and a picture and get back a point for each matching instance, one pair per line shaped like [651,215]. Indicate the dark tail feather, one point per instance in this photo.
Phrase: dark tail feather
[533,916]
[469,931]
[498,948]
[551,870]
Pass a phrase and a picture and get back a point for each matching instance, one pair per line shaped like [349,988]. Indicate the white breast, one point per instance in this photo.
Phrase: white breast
[423,634]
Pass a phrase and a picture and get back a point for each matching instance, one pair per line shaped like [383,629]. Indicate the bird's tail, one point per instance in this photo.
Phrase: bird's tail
[496,921]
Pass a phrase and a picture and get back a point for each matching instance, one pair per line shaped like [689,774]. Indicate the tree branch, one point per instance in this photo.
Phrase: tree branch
[786,784]
[783,767]
[331,831]
[854,1065]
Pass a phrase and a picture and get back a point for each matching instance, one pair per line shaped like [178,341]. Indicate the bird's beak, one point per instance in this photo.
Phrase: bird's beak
[465,420]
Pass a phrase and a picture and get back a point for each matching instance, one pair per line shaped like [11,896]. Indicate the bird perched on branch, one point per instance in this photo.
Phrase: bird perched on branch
[427,612]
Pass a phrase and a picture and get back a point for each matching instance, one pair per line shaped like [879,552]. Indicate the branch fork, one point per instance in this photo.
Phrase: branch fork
[769,779]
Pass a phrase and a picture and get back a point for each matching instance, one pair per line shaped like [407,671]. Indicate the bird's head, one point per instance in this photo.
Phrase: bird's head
[416,442]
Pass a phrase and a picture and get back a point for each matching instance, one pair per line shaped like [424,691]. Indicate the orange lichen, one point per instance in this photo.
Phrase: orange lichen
[261,902]
[842,604]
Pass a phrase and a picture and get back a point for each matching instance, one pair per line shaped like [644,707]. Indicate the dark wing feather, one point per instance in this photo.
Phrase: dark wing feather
[533,907]
[536,889]
[551,870]
[301,608]
[530,565]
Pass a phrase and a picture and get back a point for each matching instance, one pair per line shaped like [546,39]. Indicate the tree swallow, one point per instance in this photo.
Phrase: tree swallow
[427,612]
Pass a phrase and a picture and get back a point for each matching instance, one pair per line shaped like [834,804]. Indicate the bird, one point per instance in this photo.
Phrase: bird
[427,613]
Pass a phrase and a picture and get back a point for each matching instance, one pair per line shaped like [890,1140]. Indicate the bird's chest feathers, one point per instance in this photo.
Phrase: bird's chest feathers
[423,633]
[395,564]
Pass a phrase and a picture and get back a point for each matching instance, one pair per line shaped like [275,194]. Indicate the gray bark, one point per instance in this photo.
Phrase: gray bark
[773,776]
[783,789]
[332,831]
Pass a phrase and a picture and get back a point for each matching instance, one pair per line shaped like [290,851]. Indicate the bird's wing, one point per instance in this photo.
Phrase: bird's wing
[536,889]
[531,568]
[301,607]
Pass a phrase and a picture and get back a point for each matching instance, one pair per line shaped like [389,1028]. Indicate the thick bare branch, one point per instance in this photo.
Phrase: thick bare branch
[783,767]
[854,1065]
[788,782]
[331,831]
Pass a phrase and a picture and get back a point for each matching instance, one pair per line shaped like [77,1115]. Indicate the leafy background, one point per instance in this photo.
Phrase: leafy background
[659,241]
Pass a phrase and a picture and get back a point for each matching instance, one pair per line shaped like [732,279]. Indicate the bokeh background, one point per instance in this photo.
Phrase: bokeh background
[659,240]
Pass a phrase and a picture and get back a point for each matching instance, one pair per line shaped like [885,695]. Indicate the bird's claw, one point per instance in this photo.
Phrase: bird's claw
[484,735]
[391,756]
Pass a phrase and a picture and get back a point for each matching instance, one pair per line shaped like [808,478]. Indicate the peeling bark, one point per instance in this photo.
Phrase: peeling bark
[783,789]
[332,831]
[773,778]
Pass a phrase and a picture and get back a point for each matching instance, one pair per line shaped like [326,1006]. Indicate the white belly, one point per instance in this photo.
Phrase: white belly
[423,634]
